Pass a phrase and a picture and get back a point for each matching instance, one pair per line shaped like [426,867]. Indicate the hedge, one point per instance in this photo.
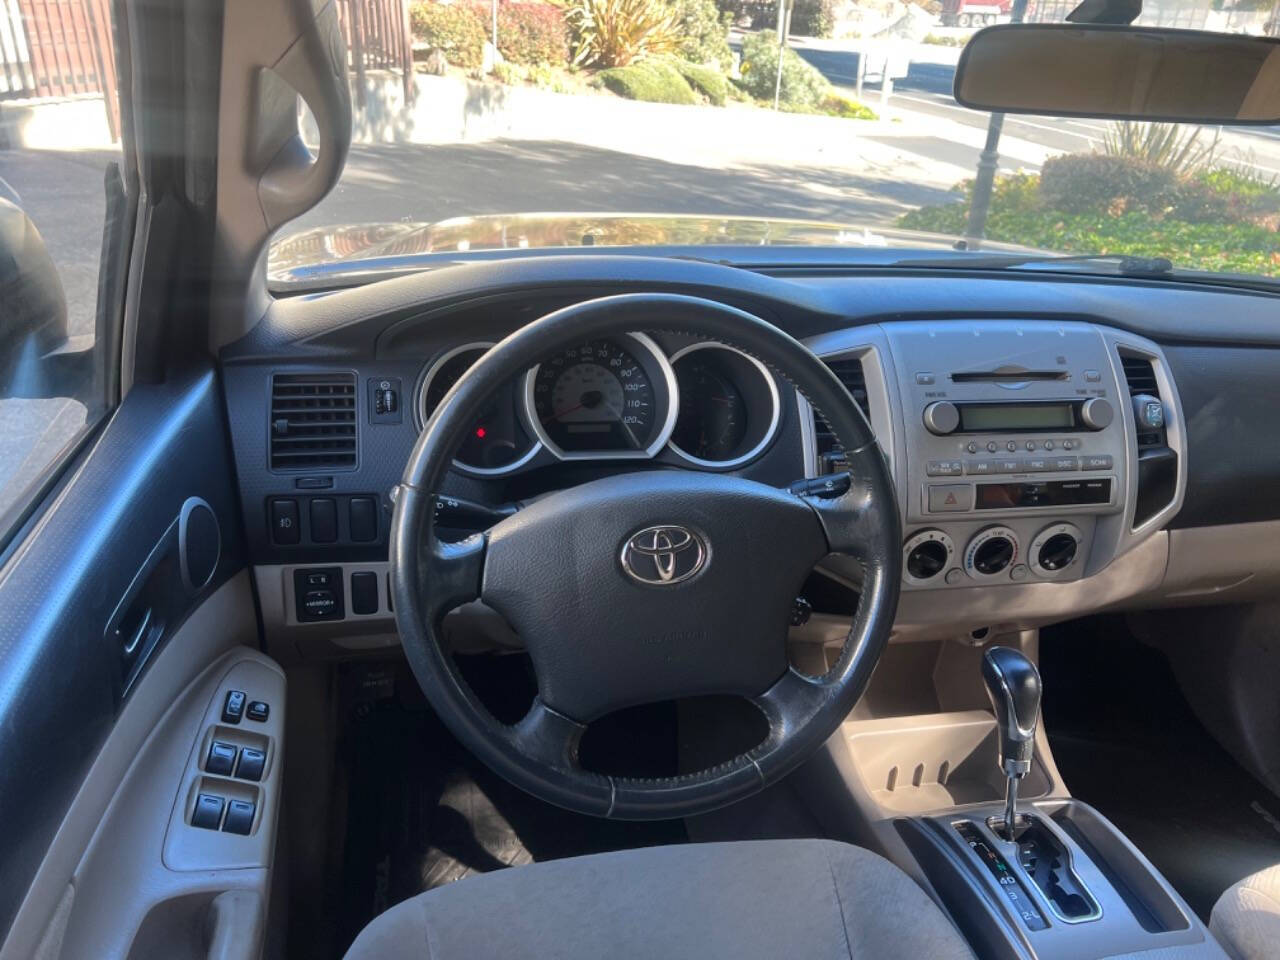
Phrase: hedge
[657,81]
[528,33]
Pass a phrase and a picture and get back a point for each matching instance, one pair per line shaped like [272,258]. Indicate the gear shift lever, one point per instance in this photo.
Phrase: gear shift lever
[1013,684]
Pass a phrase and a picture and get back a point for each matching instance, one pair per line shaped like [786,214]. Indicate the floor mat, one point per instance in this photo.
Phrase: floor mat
[421,812]
[1127,742]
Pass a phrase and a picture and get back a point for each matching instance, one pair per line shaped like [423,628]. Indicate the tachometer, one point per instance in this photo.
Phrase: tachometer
[601,397]
[498,441]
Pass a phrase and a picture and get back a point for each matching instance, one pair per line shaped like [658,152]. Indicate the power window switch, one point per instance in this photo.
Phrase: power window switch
[221,759]
[251,763]
[258,711]
[239,817]
[233,706]
[208,812]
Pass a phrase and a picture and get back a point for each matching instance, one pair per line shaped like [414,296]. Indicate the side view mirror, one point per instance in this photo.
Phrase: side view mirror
[33,318]
[1121,73]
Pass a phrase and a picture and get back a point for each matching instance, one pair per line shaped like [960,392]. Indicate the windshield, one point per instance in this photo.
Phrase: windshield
[657,123]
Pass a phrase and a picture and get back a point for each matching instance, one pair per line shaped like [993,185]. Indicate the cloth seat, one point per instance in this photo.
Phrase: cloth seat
[1246,919]
[777,899]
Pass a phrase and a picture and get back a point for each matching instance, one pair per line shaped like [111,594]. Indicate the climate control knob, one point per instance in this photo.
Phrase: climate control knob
[941,417]
[926,555]
[991,553]
[1054,550]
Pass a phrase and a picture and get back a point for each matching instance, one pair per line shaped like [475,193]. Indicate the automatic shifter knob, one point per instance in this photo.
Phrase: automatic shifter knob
[1013,684]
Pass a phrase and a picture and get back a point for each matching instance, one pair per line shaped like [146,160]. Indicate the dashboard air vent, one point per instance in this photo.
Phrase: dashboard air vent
[1140,376]
[313,421]
[849,371]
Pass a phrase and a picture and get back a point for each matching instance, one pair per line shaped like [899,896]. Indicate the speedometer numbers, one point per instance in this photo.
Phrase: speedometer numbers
[596,397]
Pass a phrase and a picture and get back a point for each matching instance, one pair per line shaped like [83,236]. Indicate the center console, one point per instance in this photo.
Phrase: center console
[970,802]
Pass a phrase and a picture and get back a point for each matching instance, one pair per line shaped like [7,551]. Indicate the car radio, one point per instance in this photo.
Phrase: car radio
[1014,445]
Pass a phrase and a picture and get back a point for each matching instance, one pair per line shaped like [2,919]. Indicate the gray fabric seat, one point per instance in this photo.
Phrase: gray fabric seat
[1246,919]
[792,899]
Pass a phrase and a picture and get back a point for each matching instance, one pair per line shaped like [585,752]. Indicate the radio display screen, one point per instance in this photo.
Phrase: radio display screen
[983,417]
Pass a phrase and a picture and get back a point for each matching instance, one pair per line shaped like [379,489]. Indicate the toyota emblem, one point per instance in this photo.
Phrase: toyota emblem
[662,556]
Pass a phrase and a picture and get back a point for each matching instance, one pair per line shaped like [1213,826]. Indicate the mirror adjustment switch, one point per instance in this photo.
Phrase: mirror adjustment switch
[221,759]
[251,763]
[233,706]
[208,812]
[239,817]
[258,711]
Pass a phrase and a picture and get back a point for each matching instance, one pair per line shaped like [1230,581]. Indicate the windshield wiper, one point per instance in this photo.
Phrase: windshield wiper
[1127,266]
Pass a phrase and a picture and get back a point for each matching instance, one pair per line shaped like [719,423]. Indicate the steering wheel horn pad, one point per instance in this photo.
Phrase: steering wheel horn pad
[600,640]
[602,636]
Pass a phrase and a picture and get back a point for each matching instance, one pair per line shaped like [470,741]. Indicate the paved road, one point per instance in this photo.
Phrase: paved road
[927,90]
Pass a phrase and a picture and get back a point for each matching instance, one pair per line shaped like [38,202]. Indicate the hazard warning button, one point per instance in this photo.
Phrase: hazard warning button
[950,497]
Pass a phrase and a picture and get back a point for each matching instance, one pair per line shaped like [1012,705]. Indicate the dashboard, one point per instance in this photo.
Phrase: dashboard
[1047,459]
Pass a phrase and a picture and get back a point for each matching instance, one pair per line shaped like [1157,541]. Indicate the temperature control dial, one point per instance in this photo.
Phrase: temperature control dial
[927,555]
[1054,550]
[991,553]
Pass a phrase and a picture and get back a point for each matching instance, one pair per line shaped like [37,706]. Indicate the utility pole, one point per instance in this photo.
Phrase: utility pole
[782,45]
[988,163]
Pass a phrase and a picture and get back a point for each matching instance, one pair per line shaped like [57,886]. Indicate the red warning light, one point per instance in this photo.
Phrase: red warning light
[480,432]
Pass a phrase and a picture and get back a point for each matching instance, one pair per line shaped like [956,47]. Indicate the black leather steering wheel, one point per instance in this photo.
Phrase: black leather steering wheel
[601,639]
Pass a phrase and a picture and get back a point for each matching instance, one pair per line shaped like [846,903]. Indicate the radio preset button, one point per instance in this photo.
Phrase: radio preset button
[1048,444]
[1011,446]
[992,446]
[971,446]
[944,468]
[1069,444]
[1097,462]
[950,498]
[1031,444]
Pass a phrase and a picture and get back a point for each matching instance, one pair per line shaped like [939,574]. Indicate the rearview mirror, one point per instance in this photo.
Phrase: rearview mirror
[1121,73]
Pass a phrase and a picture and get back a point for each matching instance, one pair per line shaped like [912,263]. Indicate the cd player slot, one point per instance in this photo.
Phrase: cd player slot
[1011,376]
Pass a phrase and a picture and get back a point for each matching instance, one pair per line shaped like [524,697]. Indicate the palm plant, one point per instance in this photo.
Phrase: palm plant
[613,33]
[1161,144]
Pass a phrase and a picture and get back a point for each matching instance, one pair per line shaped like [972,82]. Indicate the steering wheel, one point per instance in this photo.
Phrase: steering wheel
[647,586]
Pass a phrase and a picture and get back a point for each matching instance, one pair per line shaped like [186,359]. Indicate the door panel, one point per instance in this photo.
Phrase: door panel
[104,556]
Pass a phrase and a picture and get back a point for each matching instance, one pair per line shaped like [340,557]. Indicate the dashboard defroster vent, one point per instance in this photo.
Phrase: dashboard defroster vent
[849,371]
[313,421]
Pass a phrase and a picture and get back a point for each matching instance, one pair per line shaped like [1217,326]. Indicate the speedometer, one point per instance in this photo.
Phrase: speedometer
[601,397]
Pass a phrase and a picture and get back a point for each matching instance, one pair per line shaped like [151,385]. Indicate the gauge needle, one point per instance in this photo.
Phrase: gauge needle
[591,398]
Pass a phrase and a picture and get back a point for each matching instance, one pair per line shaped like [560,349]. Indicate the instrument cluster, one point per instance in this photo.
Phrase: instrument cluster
[617,398]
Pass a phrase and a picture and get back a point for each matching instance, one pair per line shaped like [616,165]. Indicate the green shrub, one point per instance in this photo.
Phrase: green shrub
[708,81]
[532,33]
[802,85]
[839,106]
[705,29]
[613,33]
[1095,182]
[457,29]
[657,81]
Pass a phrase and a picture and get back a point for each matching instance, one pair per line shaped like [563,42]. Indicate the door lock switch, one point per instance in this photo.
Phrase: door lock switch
[251,764]
[221,759]
[258,711]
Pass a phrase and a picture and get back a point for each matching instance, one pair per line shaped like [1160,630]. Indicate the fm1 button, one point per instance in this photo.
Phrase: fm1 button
[950,498]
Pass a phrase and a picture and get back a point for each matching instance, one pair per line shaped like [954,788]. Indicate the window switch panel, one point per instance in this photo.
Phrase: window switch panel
[251,764]
[208,812]
[221,759]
